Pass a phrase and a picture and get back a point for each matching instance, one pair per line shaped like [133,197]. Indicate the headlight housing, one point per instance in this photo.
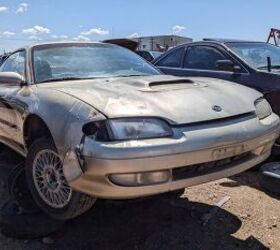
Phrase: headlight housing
[263,108]
[139,128]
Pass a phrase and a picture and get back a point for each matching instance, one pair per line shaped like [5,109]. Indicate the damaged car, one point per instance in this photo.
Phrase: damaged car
[94,120]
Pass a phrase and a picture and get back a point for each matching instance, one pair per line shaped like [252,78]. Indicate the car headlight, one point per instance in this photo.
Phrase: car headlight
[263,108]
[139,128]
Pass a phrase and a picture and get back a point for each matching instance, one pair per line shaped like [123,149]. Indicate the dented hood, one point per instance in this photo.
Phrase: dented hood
[178,100]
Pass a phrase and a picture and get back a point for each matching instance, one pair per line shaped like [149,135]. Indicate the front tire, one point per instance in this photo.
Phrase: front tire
[48,186]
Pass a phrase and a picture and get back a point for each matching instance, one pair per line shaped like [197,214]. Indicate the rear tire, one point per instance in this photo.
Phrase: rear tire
[48,185]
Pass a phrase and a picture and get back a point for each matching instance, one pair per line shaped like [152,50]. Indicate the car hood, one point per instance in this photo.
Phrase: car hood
[178,100]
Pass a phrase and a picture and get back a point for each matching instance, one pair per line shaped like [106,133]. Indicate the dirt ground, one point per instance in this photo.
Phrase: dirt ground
[248,220]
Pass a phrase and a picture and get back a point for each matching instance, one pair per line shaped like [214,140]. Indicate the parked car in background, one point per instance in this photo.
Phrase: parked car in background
[123,42]
[149,55]
[95,120]
[3,57]
[132,45]
[253,64]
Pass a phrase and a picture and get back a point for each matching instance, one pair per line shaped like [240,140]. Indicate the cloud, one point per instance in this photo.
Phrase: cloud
[36,30]
[35,38]
[22,7]
[133,35]
[8,33]
[178,28]
[59,37]
[3,8]
[95,31]
[82,38]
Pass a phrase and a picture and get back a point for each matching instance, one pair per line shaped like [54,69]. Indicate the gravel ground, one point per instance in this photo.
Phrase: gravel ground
[248,220]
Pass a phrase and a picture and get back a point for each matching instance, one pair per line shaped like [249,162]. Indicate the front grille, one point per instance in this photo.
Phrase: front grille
[223,120]
[206,168]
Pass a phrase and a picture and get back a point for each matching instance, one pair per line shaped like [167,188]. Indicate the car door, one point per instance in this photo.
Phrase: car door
[202,60]
[11,108]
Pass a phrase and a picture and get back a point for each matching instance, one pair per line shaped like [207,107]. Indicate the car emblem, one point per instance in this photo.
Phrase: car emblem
[217,108]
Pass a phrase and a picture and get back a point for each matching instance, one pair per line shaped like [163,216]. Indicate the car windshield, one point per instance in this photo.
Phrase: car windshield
[256,54]
[84,61]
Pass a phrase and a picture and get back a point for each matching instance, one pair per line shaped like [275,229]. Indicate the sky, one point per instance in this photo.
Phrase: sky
[23,22]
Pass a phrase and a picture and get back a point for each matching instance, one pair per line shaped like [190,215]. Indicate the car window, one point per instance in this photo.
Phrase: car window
[146,55]
[256,54]
[202,57]
[173,59]
[14,63]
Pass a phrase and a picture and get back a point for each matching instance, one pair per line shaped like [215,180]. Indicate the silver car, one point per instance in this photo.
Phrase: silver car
[96,121]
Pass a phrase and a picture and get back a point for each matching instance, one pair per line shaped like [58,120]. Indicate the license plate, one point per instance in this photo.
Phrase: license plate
[227,152]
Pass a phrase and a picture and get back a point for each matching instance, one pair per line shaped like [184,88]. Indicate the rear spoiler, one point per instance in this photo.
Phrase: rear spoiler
[123,42]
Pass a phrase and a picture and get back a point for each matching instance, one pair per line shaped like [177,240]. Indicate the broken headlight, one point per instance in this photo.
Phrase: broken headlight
[97,130]
[139,128]
[263,108]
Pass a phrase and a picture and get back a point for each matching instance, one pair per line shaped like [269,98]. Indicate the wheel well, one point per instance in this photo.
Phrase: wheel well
[35,128]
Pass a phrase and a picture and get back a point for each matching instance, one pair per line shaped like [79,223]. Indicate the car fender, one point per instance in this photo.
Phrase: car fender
[63,114]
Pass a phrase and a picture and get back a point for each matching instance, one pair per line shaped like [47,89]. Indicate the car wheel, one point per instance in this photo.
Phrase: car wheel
[48,186]
[270,177]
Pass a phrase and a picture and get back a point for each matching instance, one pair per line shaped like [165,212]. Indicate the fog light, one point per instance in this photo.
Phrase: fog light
[71,166]
[141,179]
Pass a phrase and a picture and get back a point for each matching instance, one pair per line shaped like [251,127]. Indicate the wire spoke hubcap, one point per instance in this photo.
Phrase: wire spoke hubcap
[49,179]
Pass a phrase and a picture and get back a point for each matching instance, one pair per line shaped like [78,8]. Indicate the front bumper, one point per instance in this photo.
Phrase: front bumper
[183,155]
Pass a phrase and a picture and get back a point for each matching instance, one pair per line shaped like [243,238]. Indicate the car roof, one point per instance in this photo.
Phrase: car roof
[222,42]
[226,40]
[30,46]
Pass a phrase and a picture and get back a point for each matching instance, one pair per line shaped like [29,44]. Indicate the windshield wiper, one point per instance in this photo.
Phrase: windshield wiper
[68,78]
[132,75]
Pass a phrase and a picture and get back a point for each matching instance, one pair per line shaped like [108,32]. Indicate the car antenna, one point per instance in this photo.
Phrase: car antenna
[269,64]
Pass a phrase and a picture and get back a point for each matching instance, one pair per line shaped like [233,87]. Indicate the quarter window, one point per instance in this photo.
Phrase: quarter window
[202,57]
[173,59]
[14,63]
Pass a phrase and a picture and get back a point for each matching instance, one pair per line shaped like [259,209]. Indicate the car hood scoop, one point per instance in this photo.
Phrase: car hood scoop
[171,84]
[156,83]
[179,100]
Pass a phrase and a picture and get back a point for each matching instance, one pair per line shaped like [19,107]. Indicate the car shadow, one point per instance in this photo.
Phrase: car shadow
[248,178]
[153,223]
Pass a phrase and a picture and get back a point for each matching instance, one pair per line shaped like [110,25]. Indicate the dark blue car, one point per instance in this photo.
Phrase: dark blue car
[254,64]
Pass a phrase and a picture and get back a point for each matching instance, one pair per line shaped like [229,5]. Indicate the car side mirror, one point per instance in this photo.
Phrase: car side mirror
[228,65]
[12,78]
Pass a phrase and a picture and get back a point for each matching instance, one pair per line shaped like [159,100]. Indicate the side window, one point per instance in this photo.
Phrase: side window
[202,57]
[173,59]
[14,63]
[147,56]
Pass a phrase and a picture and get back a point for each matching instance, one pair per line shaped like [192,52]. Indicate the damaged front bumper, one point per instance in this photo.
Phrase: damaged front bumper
[195,154]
